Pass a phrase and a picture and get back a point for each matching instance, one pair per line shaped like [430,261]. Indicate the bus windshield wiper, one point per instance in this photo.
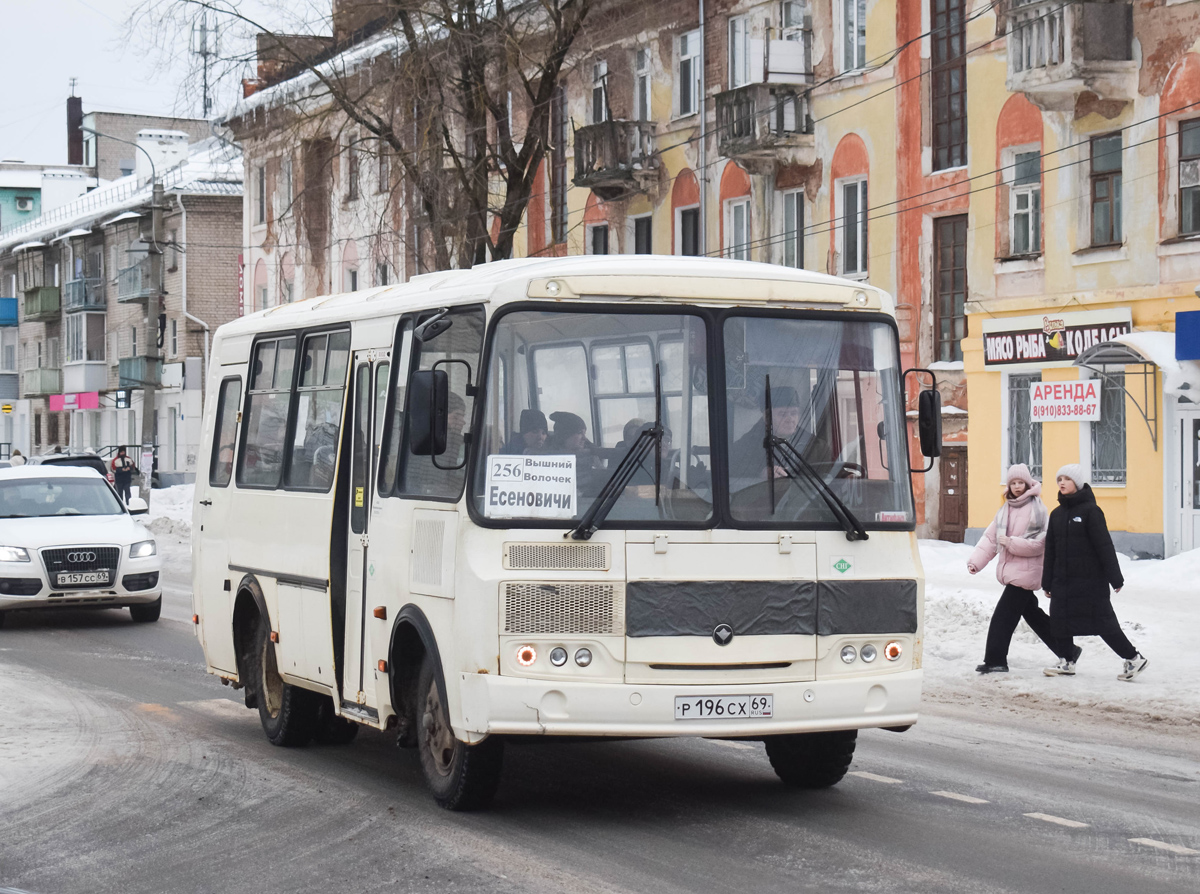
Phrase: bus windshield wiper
[783,453]
[632,460]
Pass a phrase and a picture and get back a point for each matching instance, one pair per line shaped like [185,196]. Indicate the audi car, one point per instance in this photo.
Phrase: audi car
[66,539]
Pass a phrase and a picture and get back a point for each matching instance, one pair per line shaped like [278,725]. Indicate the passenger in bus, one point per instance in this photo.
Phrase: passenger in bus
[748,456]
[570,436]
[531,439]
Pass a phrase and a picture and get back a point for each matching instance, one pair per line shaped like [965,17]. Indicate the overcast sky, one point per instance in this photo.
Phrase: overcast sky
[48,42]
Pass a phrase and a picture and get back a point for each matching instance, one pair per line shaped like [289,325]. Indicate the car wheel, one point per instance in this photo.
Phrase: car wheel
[460,776]
[811,760]
[1,619]
[288,713]
[146,612]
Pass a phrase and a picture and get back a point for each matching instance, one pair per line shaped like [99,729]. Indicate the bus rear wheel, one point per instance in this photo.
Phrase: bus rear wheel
[460,776]
[812,760]
[288,713]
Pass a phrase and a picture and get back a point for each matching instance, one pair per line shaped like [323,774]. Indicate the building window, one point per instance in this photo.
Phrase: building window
[1106,190]
[598,240]
[599,92]
[1024,435]
[853,232]
[793,228]
[285,175]
[262,298]
[381,274]
[854,34]
[642,83]
[1025,203]
[288,291]
[85,338]
[793,20]
[558,166]
[133,351]
[739,51]
[688,229]
[688,76]
[949,85]
[1189,177]
[737,229]
[352,280]
[382,170]
[174,338]
[641,235]
[950,285]
[172,249]
[1108,435]
[260,185]
[351,168]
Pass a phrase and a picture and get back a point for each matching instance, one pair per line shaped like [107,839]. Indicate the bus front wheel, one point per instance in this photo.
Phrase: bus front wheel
[812,760]
[461,776]
[288,713]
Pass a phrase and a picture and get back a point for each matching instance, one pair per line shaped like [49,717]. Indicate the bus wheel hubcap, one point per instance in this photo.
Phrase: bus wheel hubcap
[438,739]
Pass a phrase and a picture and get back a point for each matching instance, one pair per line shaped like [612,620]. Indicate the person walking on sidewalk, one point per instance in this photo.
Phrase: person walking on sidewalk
[1017,539]
[1081,564]
[122,469]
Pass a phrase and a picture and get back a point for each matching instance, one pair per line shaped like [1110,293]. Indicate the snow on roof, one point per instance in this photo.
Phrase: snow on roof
[71,234]
[213,167]
[1159,349]
[124,215]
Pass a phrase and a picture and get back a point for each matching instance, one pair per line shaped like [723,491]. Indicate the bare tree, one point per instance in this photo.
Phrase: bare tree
[439,85]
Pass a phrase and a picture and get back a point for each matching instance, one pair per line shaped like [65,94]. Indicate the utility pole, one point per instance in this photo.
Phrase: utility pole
[154,307]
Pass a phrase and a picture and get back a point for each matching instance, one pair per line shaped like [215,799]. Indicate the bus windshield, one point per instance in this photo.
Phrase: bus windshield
[568,392]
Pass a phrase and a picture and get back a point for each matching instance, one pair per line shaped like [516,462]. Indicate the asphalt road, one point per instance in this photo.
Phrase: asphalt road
[124,768]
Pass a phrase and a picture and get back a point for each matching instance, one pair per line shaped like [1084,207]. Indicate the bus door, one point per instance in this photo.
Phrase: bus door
[370,381]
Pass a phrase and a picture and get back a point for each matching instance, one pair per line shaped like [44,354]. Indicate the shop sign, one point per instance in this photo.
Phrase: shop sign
[83,400]
[1065,401]
[1050,340]
[7,408]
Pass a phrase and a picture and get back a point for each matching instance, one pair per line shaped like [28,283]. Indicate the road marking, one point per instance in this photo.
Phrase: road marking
[1046,817]
[1163,846]
[728,744]
[874,777]
[955,796]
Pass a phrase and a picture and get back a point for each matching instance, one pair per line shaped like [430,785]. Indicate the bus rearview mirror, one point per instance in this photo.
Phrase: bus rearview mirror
[428,409]
[929,422]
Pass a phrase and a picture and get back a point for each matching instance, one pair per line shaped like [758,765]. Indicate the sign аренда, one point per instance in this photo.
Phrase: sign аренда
[1065,401]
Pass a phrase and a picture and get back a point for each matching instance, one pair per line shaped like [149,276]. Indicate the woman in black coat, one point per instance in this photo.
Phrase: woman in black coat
[1080,565]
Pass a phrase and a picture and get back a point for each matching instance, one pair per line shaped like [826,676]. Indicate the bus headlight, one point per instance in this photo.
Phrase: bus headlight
[583,657]
[526,655]
[558,656]
[849,654]
[892,651]
[868,653]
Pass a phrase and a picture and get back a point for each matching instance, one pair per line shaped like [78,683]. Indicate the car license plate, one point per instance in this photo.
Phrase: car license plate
[74,578]
[723,707]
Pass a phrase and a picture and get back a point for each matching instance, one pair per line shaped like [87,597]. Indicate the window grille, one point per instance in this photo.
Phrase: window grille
[1108,435]
[1024,435]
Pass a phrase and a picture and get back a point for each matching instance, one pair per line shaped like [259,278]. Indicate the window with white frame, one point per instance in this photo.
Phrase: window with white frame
[793,228]
[597,237]
[174,337]
[853,53]
[642,83]
[352,280]
[852,234]
[687,231]
[1189,177]
[737,229]
[739,51]
[8,349]
[1025,203]
[599,92]
[688,73]
[133,352]
[260,188]
[792,17]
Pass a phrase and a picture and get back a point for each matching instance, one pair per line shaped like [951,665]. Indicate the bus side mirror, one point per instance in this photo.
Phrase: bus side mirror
[929,422]
[428,409]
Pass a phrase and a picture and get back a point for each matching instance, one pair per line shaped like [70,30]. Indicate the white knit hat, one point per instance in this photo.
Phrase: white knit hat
[1075,472]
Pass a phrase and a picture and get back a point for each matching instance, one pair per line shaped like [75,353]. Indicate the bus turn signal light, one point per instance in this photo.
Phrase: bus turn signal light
[892,651]
[195,619]
[526,655]
[274,636]
[382,666]
[380,612]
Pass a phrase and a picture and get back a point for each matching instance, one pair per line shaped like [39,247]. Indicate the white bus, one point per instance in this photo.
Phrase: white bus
[589,496]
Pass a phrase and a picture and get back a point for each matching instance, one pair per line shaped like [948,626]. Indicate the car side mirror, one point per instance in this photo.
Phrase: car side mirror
[428,411]
[137,506]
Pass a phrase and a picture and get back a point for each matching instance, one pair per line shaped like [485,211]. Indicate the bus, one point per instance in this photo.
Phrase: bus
[590,497]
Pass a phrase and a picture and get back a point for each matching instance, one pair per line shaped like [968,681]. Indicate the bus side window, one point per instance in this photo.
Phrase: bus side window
[229,402]
[269,398]
[312,454]
[393,429]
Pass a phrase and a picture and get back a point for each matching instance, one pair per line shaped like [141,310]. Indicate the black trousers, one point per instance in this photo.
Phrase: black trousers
[1119,643]
[122,484]
[1015,604]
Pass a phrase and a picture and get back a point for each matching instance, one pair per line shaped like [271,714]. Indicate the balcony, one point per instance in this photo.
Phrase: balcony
[138,372]
[42,382]
[762,125]
[83,294]
[8,312]
[42,304]
[615,158]
[136,283]
[1057,51]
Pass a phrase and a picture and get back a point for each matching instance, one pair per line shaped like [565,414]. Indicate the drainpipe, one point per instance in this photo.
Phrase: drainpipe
[183,287]
[703,143]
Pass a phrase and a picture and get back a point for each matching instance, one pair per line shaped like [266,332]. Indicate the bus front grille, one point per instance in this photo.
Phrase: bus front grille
[563,608]
[556,556]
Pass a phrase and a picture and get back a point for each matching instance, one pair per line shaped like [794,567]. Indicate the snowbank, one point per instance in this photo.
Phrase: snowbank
[171,513]
[1158,610]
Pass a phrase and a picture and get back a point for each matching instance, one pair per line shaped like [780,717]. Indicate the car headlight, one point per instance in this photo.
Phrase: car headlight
[142,549]
[13,554]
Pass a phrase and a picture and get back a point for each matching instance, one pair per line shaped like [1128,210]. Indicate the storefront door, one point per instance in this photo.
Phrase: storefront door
[953,503]
[1189,440]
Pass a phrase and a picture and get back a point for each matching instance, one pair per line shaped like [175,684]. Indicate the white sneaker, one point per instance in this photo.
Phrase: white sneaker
[1133,667]
[1063,668]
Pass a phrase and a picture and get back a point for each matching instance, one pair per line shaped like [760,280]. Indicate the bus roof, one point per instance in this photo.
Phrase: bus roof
[667,278]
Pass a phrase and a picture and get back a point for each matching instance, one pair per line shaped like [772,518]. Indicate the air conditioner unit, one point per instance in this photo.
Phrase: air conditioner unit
[24,203]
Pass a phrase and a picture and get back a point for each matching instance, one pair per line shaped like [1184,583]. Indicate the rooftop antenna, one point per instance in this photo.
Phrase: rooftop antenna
[74,81]
[204,45]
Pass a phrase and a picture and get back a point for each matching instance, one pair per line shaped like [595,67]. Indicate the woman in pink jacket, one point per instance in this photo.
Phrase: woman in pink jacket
[1017,539]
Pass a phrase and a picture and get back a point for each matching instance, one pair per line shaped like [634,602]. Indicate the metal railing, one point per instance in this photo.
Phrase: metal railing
[612,151]
[84,294]
[1035,29]
[135,283]
[42,303]
[758,117]
[42,381]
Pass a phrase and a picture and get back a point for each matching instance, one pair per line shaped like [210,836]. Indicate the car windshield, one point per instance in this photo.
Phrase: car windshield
[835,398]
[567,396]
[42,497]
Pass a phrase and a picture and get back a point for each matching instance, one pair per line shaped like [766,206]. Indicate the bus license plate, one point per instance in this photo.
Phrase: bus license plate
[74,578]
[723,707]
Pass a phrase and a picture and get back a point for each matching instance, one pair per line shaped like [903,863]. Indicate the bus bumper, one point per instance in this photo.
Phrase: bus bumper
[510,705]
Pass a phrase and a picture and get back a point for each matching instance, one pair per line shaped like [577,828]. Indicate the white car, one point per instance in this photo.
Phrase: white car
[67,539]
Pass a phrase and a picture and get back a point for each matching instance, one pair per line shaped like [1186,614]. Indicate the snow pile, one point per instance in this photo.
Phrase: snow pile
[171,512]
[1157,609]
